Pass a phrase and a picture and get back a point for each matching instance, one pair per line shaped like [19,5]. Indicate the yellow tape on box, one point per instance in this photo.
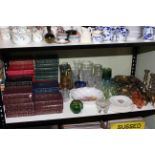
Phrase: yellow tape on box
[128,125]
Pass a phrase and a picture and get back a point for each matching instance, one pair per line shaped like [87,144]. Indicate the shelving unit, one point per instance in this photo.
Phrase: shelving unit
[89,114]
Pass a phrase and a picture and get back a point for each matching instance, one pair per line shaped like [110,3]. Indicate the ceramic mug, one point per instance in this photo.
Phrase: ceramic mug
[121,33]
[5,33]
[21,35]
[97,36]
[37,34]
[148,33]
[108,33]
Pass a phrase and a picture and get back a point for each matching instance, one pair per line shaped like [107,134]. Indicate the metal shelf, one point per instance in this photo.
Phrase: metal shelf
[89,113]
[10,45]
[67,116]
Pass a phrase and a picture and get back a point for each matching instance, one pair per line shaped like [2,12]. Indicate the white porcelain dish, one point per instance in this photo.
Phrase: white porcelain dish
[86,94]
[120,104]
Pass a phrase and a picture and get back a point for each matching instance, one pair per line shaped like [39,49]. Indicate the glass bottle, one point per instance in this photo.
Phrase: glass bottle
[146,74]
[49,36]
[65,76]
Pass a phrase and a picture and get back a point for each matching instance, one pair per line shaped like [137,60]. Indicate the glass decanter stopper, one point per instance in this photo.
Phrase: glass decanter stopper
[49,37]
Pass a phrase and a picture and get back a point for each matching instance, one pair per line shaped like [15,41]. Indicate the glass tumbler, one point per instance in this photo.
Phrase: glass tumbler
[76,71]
[87,73]
[107,73]
[97,75]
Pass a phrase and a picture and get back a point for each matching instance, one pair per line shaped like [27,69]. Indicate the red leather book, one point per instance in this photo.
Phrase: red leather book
[21,62]
[16,95]
[20,67]
[47,97]
[48,103]
[48,107]
[16,101]
[18,90]
[19,113]
[20,72]
[18,83]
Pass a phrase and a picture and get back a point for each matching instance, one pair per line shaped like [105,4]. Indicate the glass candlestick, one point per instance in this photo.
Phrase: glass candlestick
[49,37]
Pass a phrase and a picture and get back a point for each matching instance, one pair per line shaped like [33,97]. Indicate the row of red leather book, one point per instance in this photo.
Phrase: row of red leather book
[19,98]
[20,101]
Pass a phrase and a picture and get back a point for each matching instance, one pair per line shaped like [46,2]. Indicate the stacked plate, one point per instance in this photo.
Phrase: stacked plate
[135,32]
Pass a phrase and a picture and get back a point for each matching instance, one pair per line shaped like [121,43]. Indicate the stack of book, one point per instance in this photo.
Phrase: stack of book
[17,99]
[47,98]
[17,96]
[31,88]
[48,103]
[20,70]
[46,69]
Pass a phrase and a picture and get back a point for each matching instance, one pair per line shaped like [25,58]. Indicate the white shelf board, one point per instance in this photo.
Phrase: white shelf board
[10,44]
[88,110]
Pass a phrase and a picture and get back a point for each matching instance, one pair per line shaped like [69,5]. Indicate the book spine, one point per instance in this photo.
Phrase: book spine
[20,72]
[45,84]
[46,77]
[46,97]
[45,90]
[47,103]
[21,62]
[12,96]
[18,83]
[15,101]
[46,61]
[46,66]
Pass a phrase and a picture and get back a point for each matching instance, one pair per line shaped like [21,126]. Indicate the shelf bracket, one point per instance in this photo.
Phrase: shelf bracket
[134,60]
[2,117]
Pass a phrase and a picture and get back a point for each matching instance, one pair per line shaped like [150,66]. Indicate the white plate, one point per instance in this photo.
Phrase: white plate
[120,104]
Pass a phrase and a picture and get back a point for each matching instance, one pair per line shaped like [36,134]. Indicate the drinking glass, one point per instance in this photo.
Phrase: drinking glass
[87,73]
[97,75]
[107,73]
